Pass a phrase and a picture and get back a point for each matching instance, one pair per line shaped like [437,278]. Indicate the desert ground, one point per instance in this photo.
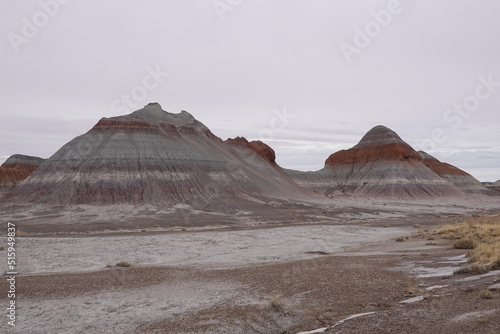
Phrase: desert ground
[356,266]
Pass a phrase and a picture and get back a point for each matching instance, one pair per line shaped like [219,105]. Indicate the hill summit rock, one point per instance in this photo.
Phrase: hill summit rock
[153,156]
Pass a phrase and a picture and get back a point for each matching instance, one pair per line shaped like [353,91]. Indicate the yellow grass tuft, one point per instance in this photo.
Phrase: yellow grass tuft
[123,264]
[480,234]
[277,303]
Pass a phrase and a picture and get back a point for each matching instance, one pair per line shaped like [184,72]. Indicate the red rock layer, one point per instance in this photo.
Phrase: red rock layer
[16,169]
[459,178]
[441,168]
[396,151]
[262,149]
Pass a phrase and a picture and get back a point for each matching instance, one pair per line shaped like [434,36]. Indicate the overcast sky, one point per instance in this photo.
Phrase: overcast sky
[307,77]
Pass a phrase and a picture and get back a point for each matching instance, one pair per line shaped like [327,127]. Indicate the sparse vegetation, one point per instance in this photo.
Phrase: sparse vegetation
[486,294]
[277,303]
[410,286]
[410,290]
[475,269]
[20,233]
[464,244]
[481,235]
[123,264]
[400,239]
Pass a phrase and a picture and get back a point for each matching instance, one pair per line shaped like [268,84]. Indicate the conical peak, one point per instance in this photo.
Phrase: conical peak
[378,136]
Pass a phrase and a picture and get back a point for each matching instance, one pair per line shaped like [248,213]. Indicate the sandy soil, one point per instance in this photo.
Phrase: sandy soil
[259,273]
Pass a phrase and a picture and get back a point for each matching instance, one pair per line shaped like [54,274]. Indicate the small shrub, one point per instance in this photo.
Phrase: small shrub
[20,233]
[464,244]
[476,269]
[277,303]
[400,239]
[486,294]
[123,264]
[1,248]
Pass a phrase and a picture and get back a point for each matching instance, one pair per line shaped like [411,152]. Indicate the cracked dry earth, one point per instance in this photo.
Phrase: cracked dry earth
[287,296]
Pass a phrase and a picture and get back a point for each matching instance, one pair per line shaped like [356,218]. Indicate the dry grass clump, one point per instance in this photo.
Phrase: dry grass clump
[486,294]
[482,236]
[474,269]
[464,244]
[277,303]
[20,233]
[123,264]
[479,234]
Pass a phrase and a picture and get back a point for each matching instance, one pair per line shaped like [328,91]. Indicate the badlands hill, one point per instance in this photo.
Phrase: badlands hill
[152,156]
[380,165]
[459,178]
[15,169]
